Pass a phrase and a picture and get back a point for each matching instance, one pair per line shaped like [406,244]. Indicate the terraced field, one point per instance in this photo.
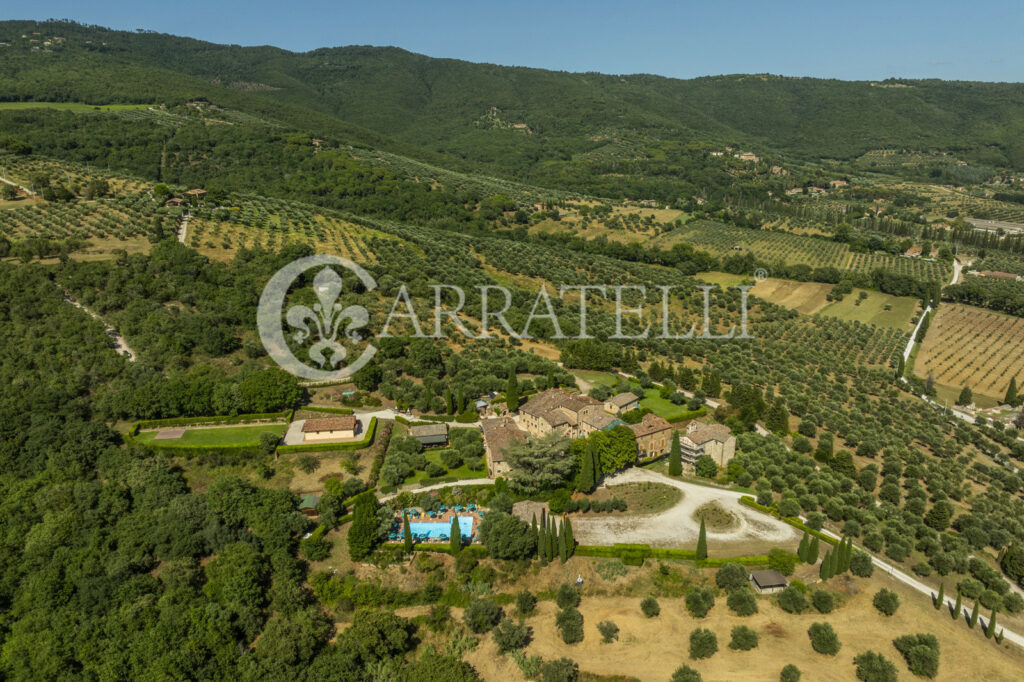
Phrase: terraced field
[791,249]
[972,346]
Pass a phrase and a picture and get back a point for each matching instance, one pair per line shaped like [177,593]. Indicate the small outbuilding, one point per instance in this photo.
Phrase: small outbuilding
[308,505]
[430,435]
[768,581]
[330,428]
[623,402]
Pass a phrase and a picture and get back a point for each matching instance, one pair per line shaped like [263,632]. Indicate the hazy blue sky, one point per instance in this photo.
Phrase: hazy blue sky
[859,39]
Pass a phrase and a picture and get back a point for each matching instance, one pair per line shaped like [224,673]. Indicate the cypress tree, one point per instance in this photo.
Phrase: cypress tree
[675,457]
[456,536]
[512,392]
[449,401]
[552,539]
[940,599]
[973,620]
[570,541]
[900,368]
[534,532]
[958,605]
[991,629]
[825,570]
[588,476]
[563,552]
[407,533]
[542,540]
[966,396]
[812,551]
[702,542]
[999,637]
[801,551]
[847,555]
[1011,393]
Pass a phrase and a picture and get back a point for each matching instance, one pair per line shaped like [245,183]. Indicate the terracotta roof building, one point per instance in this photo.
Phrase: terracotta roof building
[653,436]
[553,410]
[499,434]
[715,440]
[998,275]
[623,402]
[330,428]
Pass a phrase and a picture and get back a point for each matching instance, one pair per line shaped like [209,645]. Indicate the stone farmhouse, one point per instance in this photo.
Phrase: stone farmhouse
[575,415]
[623,402]
[330,428]
[714,440]
[499,433]
[653,436]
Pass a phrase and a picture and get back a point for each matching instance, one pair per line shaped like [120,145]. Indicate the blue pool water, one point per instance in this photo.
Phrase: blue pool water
[435,529]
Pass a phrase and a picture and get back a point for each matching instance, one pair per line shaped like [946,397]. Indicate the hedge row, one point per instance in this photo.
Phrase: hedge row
[330,410]
[225,419]
[443,548]
[795,522]
[365,441]
[688,414]
[631,554]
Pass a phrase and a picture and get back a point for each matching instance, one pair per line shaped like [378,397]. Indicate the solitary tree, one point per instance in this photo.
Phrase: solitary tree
[1011,397]
[456,536]
[675,457]
[407,533]
[940,599]
[702,542]
[512,391]
[991,629]
[966,397]
[973,620]
[958,605]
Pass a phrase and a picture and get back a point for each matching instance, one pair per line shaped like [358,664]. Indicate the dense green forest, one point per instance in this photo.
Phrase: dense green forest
[526,123]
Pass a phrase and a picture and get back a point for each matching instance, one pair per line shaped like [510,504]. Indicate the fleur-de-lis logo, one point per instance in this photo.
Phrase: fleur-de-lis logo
[323,323]
[327,316]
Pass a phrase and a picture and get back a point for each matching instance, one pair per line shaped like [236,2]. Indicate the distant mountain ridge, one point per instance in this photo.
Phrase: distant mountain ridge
[436,104]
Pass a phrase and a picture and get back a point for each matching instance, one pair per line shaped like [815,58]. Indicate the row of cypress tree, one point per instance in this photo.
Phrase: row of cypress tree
[837,560]
[554,538]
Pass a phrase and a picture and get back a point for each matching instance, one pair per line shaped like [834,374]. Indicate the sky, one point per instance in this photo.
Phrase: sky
[851,40]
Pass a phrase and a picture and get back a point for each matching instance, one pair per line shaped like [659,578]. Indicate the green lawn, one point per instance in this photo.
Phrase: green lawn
[662,407]
[603,378]
[461,472]
[216,436]
[872,309]
[77,107]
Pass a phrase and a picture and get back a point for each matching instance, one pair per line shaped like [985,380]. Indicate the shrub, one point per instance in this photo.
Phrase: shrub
[699,601]
[886,601]
[792,600]
[1013,603]
[570,625]
[823,601]
[567,596]
[525,602]
[650,607]
[874,667]
[481,615]
[782,561]
[439,617]
[731,576]
[742,602]
[609,631]
[510,635]
[743,638]
[921,652]
[434,470]
[308,463]
[703,643]
[685,673]
[790,673]
[969,587]
[559,670]
[860,565]
[824,639]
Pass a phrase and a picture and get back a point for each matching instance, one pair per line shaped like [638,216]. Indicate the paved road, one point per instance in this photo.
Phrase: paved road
[26,190]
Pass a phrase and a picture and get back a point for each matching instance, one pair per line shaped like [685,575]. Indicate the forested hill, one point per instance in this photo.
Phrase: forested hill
[514,120]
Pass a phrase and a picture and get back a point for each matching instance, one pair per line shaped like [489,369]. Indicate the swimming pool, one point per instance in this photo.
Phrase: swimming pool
[435,529]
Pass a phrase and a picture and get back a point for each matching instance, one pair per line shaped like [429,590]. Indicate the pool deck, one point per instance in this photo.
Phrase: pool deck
[444,517]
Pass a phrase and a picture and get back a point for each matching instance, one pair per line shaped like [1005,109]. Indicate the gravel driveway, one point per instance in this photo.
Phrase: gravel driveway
[676,527]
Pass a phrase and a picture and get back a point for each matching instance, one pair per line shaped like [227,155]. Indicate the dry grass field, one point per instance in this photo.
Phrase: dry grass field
[972,346]
[651,649]
[805,297]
